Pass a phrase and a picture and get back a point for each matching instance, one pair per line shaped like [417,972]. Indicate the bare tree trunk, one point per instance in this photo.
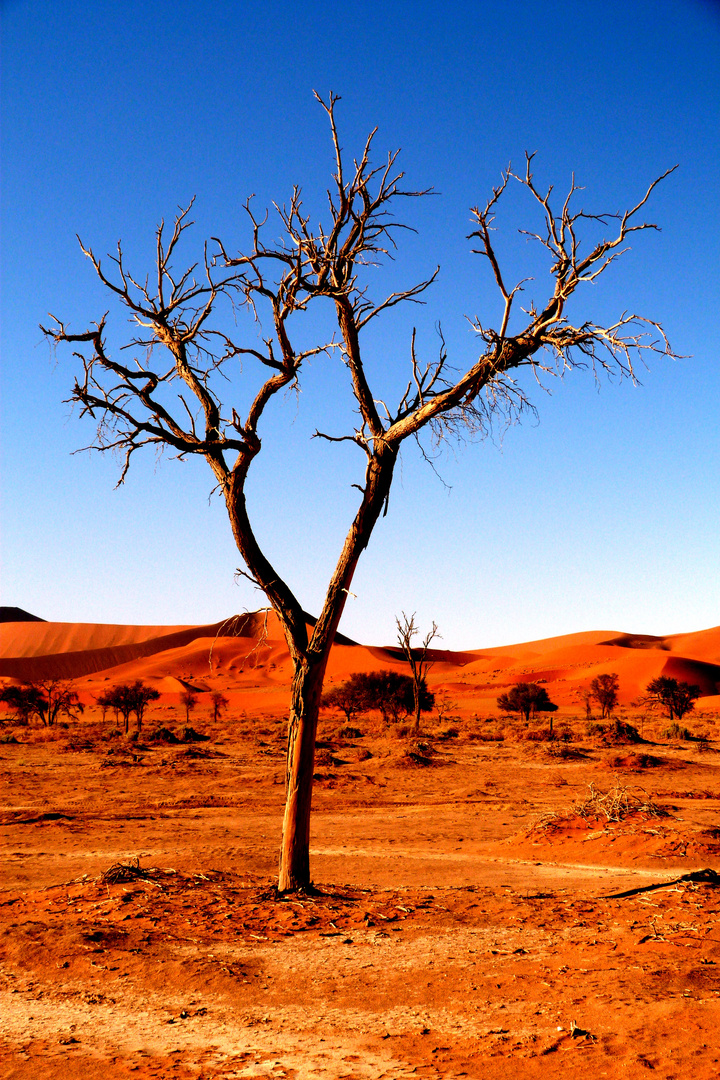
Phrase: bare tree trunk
[307,687]
[416,694]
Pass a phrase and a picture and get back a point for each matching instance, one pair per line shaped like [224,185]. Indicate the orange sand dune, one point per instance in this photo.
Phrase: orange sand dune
[24,658]
[577,665]
[528,650]
[703,645]
[249,653]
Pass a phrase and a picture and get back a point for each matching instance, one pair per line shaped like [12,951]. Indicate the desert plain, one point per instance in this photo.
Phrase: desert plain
[491,902]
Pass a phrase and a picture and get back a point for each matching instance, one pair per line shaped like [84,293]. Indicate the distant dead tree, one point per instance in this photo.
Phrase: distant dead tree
[604,690]
[45,699]
[185,357]
[677,697]
[417,657]
[219,704]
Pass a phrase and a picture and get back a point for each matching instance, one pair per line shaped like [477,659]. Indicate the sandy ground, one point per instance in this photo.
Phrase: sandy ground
[464,923]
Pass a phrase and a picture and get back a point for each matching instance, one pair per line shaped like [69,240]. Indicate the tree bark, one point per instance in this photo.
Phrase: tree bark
[294,873]
[416,693]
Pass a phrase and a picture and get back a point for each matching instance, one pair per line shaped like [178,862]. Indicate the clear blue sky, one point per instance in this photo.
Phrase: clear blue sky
[604,515]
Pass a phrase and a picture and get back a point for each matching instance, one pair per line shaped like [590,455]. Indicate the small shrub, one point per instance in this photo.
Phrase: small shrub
[189,734]
[448,733]
[562,751]
[402,731]
[632,761]
[414,757]
[622,732]
[8,738]
[540,735]
[164,735]
[676,731]
[324,759]
[350,733]
[595,729]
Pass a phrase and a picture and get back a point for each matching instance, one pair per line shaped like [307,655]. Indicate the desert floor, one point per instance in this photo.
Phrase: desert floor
[463,926]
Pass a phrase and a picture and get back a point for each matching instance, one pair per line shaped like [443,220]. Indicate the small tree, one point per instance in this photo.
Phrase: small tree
[394,694]
[219,704]
[677,697]
[126,699]
[189,700]
[21,701]
[417,658]
[390,692]
[350,697]
[121,699]
[47,699]
[168,394]
[527,699]
[142,696]
[105,701]
[604,690]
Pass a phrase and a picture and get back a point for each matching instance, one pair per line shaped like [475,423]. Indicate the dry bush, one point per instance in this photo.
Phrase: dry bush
[633,761]
[563,751]
[677,731]
[347,732]
[162,735]
[43,735]
[324,759]
[617,803]
[538,735]
[418,753]
[402,731]
[190,735]
[602,806]
[619,732]
[447,733]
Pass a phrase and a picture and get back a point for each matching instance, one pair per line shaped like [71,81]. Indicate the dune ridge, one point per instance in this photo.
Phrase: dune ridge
[249,651]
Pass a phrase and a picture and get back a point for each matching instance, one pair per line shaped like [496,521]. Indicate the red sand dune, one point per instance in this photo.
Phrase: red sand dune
[249,653]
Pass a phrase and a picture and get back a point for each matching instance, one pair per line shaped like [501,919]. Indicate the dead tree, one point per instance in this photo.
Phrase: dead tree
[417,658]
[181,364]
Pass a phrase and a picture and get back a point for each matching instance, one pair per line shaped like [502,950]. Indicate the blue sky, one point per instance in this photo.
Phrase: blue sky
[602,515]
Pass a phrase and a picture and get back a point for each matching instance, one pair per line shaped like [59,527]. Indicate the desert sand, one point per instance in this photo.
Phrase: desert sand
[467,920]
